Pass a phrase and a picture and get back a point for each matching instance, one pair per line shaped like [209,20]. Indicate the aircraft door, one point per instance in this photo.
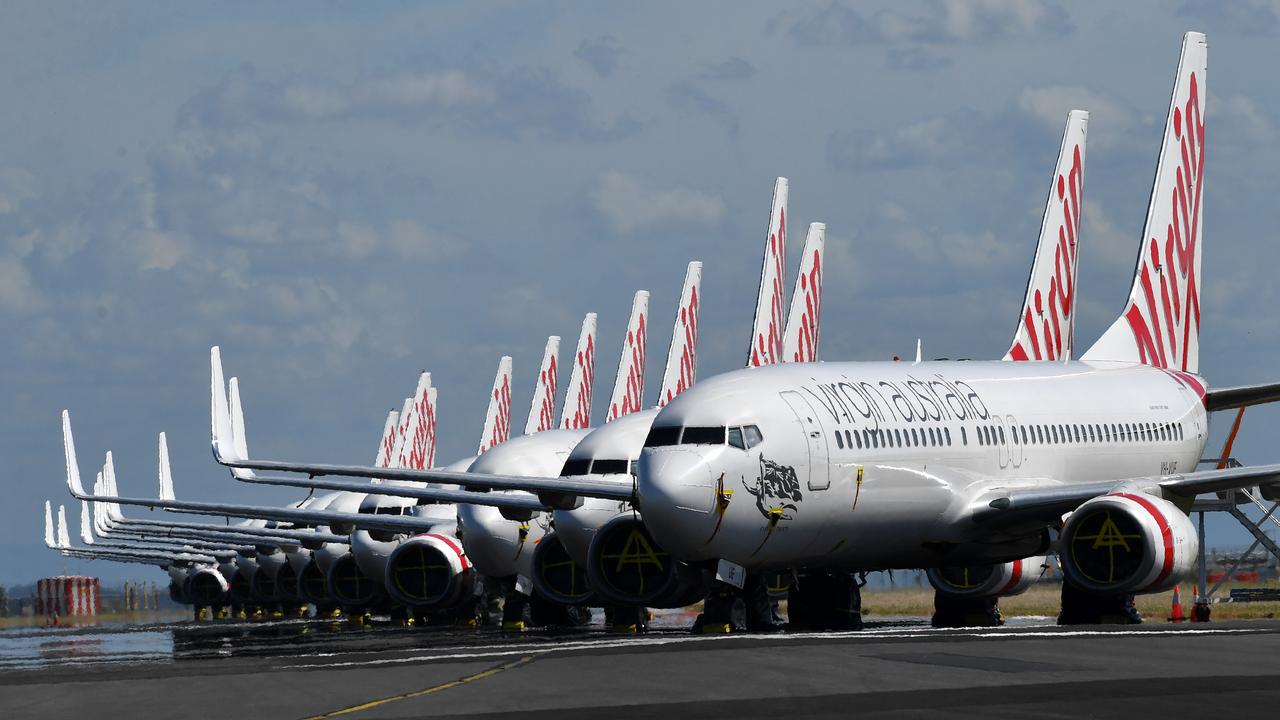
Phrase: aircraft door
[1015,442]
[1002,441]
[819,470]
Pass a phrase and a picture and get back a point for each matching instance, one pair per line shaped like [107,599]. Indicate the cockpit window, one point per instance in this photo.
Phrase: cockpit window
[575,467]
[703,436]
[735,438]
[752,435]
[609,467]
[661,436]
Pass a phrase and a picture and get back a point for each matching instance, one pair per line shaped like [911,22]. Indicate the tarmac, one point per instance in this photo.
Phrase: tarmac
[310,669]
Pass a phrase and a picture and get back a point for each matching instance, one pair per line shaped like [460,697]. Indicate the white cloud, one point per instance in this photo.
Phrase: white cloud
[406,90]
[356,240]
[1050,104]
[411,240]
[160,250]
[629,206]
[16,185]
[18,295]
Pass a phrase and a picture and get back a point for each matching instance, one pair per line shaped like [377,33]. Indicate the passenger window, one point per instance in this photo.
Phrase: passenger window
[1054,428]
[848,439]
[736,440]
[752,435]
[915,438]
[857,436]
[964,436]
[839,439]
[866,439]
[662,436]
[897,439]
[982,436]
[947,431]
[1022,430]
[1001,431]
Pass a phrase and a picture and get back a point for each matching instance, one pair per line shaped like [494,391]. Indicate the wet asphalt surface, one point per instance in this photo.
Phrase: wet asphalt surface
[309,668]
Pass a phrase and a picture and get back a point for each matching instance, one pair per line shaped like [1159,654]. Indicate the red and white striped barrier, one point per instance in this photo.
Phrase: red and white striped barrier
[68,595]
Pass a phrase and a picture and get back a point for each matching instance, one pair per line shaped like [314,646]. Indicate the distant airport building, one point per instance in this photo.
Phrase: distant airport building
[68,595]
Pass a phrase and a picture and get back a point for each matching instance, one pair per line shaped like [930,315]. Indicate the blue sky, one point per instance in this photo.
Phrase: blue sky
[343,195]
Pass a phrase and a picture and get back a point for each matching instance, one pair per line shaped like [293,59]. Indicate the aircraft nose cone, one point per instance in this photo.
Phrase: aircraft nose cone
[680,479]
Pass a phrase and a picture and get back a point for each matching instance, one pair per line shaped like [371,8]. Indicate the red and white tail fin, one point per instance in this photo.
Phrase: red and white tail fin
[542,411]
[800,340]
[390,438]
[628,386]
[1161,321]
[418,428]
[400,435]
[575,414]
[1046,325]
[682,355]
[766,329]
[497,420]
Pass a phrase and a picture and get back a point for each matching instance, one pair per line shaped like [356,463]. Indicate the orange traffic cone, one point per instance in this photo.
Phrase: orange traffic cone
[1176,616]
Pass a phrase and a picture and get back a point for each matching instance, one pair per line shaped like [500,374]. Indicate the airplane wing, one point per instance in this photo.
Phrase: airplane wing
[392,523]
[228,450]
[441,495]
[1049,503]
[1243,396]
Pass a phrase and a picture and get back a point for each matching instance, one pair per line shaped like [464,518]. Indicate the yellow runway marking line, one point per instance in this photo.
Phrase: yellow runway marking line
[425,691]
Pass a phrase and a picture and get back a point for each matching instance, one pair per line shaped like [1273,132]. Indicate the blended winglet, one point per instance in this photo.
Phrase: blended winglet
[800,340]
[766,329]
[575,414]
[48,525]
[542,410]
[223,436]
[166,473]
[64,538]
[69,450]
[86,534]
[628,386]
[682,355]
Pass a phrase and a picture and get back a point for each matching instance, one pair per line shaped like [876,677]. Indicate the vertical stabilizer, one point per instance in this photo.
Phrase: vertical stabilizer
[682,354]
[576,412]
[542,411]
[390,431]
[1160,324]
[800,340]
[766,329]
[418,428]
[628,386]
[497,419]
[1046,325]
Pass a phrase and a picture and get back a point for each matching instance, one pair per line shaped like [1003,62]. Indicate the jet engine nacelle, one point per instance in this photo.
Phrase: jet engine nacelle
[206,586]
[430,571]
[979,581]
[557,576]
[1127,543]
[626,567]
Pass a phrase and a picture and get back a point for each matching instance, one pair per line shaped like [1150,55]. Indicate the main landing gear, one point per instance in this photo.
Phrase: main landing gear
[950,611]
[825,601]
[1082,608]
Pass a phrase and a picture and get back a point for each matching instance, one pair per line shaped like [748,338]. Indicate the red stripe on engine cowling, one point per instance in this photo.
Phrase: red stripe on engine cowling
[462,557]
[1015,576]
[1166,532]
